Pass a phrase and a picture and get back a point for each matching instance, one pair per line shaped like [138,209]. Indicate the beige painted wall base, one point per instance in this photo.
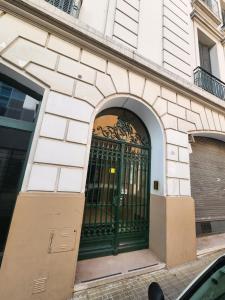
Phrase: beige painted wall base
[42,247]
[172,229]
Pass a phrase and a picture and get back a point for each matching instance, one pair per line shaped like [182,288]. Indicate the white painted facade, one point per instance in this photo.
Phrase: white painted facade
[161,33]
[80,80]
[136,54]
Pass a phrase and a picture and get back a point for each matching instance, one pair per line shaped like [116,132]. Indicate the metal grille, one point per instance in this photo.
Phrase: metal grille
[210,83]
[210,227]
[71,7]
[116,211]
[207,173]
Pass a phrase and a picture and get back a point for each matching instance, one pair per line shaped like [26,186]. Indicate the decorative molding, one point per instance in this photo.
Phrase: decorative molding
[204,21]
[121,131]
[202,8]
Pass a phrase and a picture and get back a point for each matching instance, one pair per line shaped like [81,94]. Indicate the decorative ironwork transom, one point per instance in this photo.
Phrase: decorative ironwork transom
[122,130]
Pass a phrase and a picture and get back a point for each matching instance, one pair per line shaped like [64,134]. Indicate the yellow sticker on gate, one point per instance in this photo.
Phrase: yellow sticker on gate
[112,170]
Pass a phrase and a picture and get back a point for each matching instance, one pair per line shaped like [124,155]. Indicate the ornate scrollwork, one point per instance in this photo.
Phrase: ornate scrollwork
[121,131]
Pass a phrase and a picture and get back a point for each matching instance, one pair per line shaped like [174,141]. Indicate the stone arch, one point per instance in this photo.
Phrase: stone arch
[154,127]
[218,135]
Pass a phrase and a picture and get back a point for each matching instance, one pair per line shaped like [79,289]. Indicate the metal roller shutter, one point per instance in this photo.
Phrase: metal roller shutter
[207,166]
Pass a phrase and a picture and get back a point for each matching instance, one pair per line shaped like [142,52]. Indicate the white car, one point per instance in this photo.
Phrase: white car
[209,285]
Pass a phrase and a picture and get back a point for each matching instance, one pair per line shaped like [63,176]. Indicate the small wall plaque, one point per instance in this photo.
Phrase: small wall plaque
[156,185]
[62,240]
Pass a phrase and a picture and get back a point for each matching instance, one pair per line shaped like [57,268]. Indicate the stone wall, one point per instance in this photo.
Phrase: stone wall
[177,37]
[78,81]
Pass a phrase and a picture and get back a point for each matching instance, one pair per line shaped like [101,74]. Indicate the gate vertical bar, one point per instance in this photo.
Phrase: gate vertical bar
[117,208]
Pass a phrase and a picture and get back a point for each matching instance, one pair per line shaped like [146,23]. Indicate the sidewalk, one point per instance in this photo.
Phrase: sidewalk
[121,265]
[172,281]
[210,243]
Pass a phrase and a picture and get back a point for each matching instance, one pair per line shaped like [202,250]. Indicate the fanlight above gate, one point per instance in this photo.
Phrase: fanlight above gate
[122,125]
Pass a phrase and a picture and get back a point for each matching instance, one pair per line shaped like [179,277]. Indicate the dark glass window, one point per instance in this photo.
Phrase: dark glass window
[13,148]
[18,112]
[16,104]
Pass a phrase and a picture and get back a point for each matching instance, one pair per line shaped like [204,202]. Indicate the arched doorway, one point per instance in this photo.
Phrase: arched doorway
[116,215]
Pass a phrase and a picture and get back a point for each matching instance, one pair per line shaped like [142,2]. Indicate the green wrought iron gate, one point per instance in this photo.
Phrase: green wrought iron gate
[116,215]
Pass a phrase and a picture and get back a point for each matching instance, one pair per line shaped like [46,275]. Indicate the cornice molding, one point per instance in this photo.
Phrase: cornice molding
[95,42]
[203,15]
[200,6]
[198,17]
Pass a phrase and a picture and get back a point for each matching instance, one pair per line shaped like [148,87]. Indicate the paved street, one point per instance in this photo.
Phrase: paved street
[172,282]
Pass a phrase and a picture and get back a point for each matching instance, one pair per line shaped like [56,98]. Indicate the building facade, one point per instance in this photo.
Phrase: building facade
[112,130]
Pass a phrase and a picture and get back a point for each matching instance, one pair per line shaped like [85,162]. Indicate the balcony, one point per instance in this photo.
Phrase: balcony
[213,5]
[71,7]
[210,83]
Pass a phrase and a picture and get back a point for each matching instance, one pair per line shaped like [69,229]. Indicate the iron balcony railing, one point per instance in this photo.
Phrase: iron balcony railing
[210,83]
[213,5]
[71,7]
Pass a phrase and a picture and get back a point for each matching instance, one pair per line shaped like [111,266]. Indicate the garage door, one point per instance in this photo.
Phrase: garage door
[207,163]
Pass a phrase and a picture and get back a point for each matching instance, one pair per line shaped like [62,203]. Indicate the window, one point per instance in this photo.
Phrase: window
[222,4]
[213,5]
[18,113]
[210,285]
[207,74]
[16,104]
[71,7]
[204,54]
